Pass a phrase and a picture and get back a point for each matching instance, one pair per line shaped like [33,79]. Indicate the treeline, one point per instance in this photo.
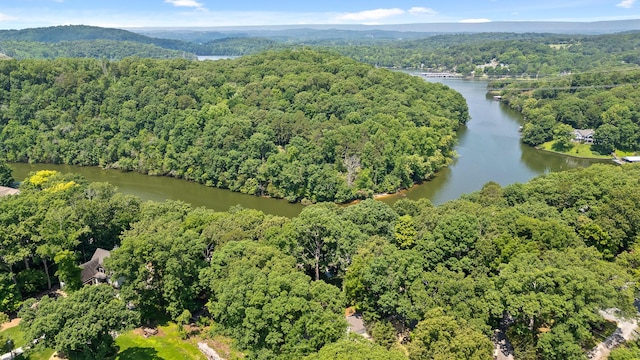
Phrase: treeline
[238,46]
[478,54]
[296,124]
[537,260]
[528,55]
[95,49]
[89,34]
[492,54]
[603,100]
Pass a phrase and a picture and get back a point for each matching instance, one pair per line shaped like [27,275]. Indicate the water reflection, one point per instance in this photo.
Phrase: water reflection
[489,149]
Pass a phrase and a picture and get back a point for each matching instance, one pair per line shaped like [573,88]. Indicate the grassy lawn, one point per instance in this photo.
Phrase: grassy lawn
[578,150]
[620,153]
[166,345]
[133,346]
[38,355]
[18,337]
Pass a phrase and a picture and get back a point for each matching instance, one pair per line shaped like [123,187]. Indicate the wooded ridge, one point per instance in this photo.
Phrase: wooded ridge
[295,124]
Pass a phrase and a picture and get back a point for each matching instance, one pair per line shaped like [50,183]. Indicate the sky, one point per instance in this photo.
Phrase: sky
[19,14]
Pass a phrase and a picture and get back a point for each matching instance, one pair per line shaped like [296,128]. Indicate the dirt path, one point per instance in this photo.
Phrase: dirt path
[8,325]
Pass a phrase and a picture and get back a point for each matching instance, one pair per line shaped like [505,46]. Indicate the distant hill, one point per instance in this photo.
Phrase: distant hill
[56,34]
[558,27]
[95,49]
[92,41]
[242,45]
[194,36]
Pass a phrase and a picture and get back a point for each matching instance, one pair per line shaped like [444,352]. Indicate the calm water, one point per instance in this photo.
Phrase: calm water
[489,150]
[160,188]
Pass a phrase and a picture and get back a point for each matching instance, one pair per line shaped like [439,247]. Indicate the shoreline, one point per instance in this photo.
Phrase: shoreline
[601,157]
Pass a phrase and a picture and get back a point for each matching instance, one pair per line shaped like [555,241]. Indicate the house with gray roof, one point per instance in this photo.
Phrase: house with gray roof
[583,135]
[93,271]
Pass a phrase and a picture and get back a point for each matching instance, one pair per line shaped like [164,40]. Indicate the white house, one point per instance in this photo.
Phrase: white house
[583,135]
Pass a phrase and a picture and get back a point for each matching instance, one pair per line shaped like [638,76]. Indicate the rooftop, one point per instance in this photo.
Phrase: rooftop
[8,191]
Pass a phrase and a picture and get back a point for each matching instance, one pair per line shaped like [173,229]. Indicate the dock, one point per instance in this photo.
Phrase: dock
[440,75]
[627,160]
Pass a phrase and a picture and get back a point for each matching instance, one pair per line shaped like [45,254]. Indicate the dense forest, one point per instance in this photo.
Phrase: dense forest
[537,260]
[295,124]
[95,49]
[606,101]
[522,55]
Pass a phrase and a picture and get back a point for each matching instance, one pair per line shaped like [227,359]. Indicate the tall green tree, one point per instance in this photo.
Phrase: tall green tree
[267,305]
[163,277]
[441,337]
[576,283]
[79,325]
[68,270]
[355,347]
[9,294]
[6,176]
[323,240]
[563,136]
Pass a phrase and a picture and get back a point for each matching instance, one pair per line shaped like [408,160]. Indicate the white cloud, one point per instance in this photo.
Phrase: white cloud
[184,3]
[5,17]
[626,4]
[422,10]
[474,21]
[366,15]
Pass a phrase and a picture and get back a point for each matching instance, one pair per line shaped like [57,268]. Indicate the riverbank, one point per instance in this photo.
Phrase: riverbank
[578,151]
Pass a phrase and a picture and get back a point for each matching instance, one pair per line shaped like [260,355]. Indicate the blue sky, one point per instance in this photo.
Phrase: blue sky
[18,14]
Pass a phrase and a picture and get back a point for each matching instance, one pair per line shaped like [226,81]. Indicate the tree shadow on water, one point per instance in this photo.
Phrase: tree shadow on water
[139,353]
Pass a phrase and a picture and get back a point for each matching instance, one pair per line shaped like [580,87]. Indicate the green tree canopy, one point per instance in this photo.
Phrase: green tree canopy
[294,124]
[79,325]
[269,306]
[6,177]
[355,347]
[441,337]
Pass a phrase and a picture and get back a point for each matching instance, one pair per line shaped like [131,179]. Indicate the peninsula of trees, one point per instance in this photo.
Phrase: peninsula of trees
[538,260]
[606,101]
[295,124]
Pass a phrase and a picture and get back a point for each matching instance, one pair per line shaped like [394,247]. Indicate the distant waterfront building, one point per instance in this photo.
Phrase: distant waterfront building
[583,135]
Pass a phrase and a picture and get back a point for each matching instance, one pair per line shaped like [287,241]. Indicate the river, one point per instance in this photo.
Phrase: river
[489,149]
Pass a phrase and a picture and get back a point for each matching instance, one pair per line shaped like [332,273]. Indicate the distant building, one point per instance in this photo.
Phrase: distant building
[93,270]
[583,135]
[4,191]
